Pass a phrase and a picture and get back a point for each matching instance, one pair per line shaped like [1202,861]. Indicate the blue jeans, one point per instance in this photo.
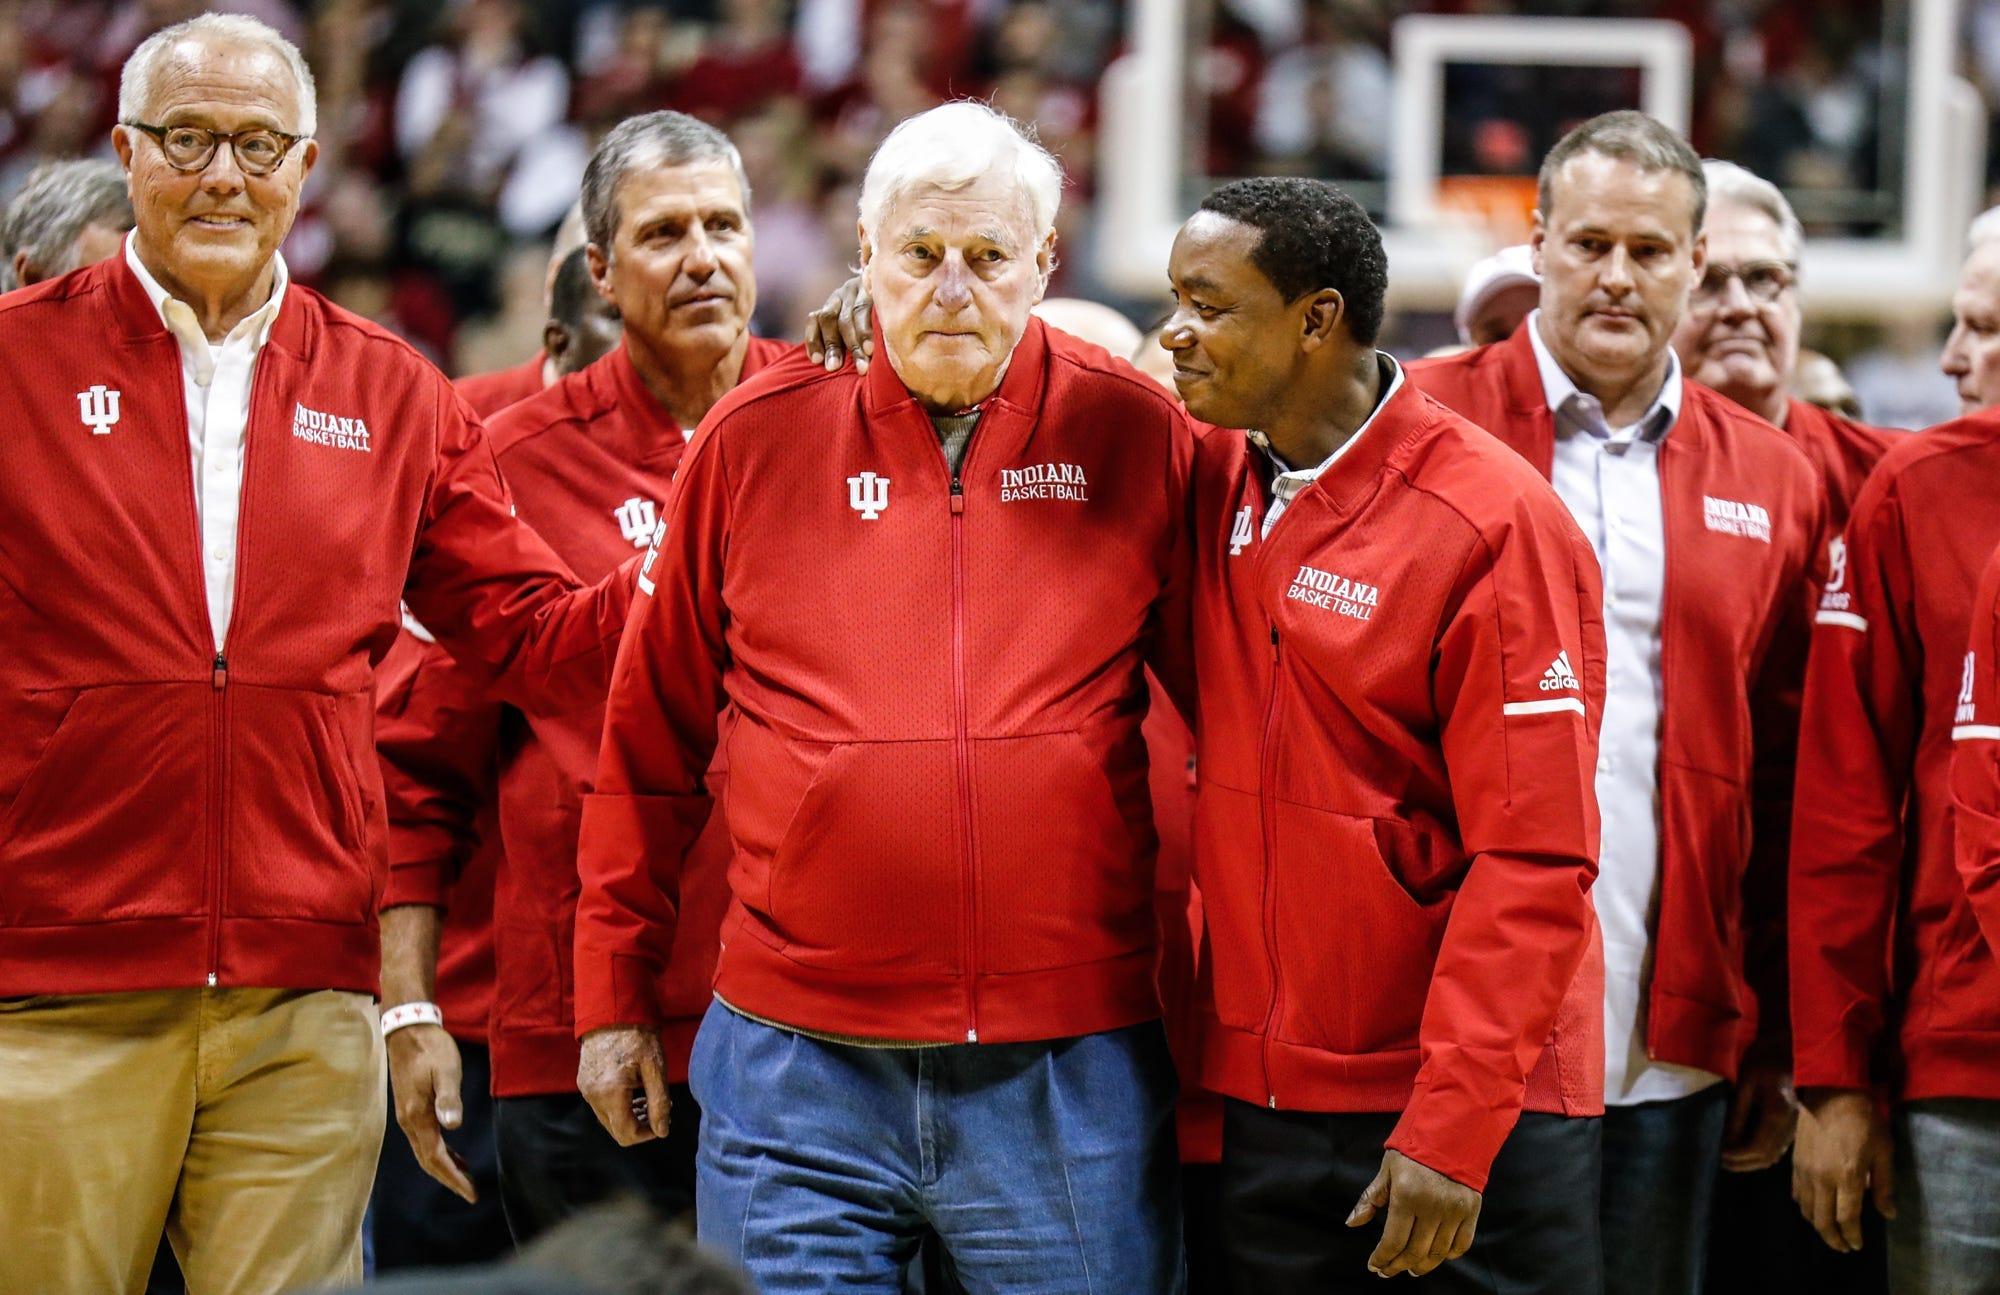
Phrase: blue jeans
[1945,1238]
[1660,1160]
[1043,1167]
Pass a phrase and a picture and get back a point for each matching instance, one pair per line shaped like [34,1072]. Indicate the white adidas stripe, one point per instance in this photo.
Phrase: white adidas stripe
[1847,619]
[1975,732]
[1542,707]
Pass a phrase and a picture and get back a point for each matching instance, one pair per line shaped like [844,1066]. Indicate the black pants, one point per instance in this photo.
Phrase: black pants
[1660,1160]
[555,1159]
[418,1222]
[1760,1244]
[1289,1179]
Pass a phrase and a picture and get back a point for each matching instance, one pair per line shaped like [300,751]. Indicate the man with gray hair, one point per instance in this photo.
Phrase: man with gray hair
[68,214]
[218,488]
[1740,336]
[1707,524]
[927,594]
[590,461]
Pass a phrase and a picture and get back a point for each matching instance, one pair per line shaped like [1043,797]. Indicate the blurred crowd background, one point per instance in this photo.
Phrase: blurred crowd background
[454,132]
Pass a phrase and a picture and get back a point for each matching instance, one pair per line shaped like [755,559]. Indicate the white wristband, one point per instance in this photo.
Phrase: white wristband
[395,1018]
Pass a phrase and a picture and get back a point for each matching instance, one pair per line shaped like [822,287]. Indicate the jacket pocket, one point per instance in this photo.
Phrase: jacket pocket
[299,839]
[846,853]
[1966,988]
[1355,949]
[108,823]
[1065,849]
[529,980]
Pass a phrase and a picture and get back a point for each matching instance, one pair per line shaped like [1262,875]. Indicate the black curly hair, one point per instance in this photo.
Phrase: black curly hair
[1315,237]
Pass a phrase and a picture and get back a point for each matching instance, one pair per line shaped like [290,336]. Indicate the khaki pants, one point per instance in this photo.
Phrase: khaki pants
[245,1121]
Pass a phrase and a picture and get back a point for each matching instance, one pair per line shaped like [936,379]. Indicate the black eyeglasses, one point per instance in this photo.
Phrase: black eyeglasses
[191,148]
[1763,281]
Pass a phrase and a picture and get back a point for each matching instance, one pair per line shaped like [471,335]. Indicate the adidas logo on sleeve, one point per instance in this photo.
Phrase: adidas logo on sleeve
[1558,678]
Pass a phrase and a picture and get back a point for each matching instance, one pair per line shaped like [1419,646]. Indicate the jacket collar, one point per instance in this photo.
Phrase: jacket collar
[138,319]
[1349,476]
[1020,387]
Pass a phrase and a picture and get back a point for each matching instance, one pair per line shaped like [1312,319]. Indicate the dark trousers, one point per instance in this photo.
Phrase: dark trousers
[1289,1179]
[1759,1243]
[555,1159]
[418,1222]
[1660,1160]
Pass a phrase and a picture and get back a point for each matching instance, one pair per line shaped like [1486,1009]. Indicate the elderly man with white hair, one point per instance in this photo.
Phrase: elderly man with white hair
[218,487]
[935,1003]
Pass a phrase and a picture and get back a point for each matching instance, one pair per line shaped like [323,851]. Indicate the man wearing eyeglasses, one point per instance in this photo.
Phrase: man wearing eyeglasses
[1740,335]
[1706,523]
[218,487]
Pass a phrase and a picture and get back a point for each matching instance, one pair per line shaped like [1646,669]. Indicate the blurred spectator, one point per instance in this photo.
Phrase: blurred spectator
[1818,381]
[1898,380]
[69,214]
[1323,108]
[1498,294]
[482,105]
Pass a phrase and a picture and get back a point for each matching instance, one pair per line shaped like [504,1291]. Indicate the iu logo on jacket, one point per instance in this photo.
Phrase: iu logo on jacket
[99,407]
[868,495]
[636,519]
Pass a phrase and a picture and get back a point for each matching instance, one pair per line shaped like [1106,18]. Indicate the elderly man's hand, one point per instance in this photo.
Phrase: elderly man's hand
[1843,1152]
[424,1073]
[618,1062]
[1431,1218]
[1762,1115]
[841,328]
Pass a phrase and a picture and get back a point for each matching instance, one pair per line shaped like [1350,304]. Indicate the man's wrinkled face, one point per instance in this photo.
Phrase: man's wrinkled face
[1618,254]
[1741,332]
[679,272]
[217,227]
[1972,353]
[954,275]
[1234,339]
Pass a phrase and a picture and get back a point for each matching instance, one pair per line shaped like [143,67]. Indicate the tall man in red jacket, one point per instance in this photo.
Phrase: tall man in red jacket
[1706,523]
[1402,668]
[217,488]
[1895,998]
[589,460]
[928,594]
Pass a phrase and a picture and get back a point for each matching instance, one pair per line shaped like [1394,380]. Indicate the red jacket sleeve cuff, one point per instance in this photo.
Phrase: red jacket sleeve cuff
[1839,1063]
[614,989]
[419,881]
[1453,1133]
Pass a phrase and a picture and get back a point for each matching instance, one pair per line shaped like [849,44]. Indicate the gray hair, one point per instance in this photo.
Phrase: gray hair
[1728,182]
[135,82]
[59,200]
[1629,136]
[654,139]
[1984,229]
[951,146]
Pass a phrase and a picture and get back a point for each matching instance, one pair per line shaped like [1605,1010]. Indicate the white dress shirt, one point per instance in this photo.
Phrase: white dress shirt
[215,381]
[1289,481]
[1610,480]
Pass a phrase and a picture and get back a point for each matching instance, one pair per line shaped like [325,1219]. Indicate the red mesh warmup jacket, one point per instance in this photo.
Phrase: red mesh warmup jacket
[590,460]
[174,812]
[1891,982]
[1397,830]
[1744,513]
[938,792]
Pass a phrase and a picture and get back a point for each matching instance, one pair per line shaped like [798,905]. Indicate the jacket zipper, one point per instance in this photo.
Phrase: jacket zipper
[219,671]
[962,744]
[1267,814]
